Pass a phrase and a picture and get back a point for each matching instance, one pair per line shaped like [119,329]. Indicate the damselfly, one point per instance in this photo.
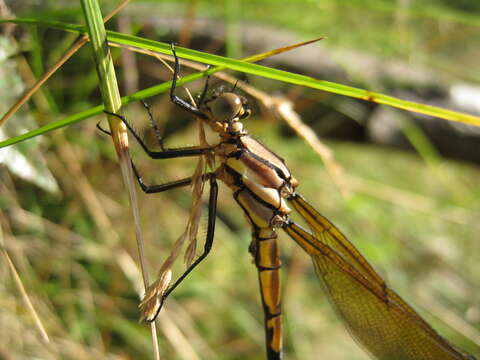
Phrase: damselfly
[376,316]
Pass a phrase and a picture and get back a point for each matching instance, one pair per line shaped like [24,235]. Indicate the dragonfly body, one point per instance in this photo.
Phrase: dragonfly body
[384,324]
[261,182]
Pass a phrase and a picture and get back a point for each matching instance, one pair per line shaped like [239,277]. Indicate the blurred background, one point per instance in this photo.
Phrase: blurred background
[408,199]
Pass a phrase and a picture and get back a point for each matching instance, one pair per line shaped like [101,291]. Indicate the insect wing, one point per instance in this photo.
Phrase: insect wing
[384,324]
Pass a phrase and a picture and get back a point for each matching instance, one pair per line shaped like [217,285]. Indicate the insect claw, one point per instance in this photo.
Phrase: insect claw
[103,130]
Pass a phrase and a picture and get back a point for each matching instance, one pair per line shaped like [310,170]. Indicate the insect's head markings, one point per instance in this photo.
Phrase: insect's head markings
[227,110]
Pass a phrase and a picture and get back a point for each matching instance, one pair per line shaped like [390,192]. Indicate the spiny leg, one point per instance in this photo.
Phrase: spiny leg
[264,249]
[204,91]
[167,154]
[156,130]
[175,99]
[99,127]
[212,210]
[154,126]
[157,188]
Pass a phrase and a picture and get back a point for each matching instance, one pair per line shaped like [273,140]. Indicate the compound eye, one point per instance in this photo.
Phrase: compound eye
[226,107]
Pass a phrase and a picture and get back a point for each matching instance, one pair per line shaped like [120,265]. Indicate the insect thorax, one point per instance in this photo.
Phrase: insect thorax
[259,178]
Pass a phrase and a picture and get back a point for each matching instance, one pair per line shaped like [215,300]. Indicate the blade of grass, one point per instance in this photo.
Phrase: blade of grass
[271,73]
[111,99]
[24,294]
[142,94]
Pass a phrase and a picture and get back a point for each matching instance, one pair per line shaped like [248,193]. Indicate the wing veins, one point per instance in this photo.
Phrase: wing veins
[320,224]
[390,298]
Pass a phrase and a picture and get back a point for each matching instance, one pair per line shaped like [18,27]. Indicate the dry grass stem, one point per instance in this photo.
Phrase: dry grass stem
[151,301]
[23,292]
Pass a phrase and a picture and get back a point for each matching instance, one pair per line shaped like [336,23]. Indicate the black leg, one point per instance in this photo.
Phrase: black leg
[154,123]
[205,89]
[175,99]
[234,86]
[154,126]
[167,154]
[152,189]
[212,210]
[99,127]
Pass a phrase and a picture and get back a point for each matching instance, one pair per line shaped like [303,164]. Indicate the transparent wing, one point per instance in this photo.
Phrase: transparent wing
[384,324]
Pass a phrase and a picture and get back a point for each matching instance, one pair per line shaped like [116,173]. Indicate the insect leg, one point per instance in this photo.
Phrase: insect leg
[106,132]
[154,126]
[212,210]
[167,154]
[175,99]
[157,188]
[205,89]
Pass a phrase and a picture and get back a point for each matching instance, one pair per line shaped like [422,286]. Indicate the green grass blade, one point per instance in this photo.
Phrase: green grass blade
[104,63]
[237,65]
[53,126]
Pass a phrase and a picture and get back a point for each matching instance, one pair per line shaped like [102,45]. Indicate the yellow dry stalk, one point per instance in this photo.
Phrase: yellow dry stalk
[151,301]
[195,212]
